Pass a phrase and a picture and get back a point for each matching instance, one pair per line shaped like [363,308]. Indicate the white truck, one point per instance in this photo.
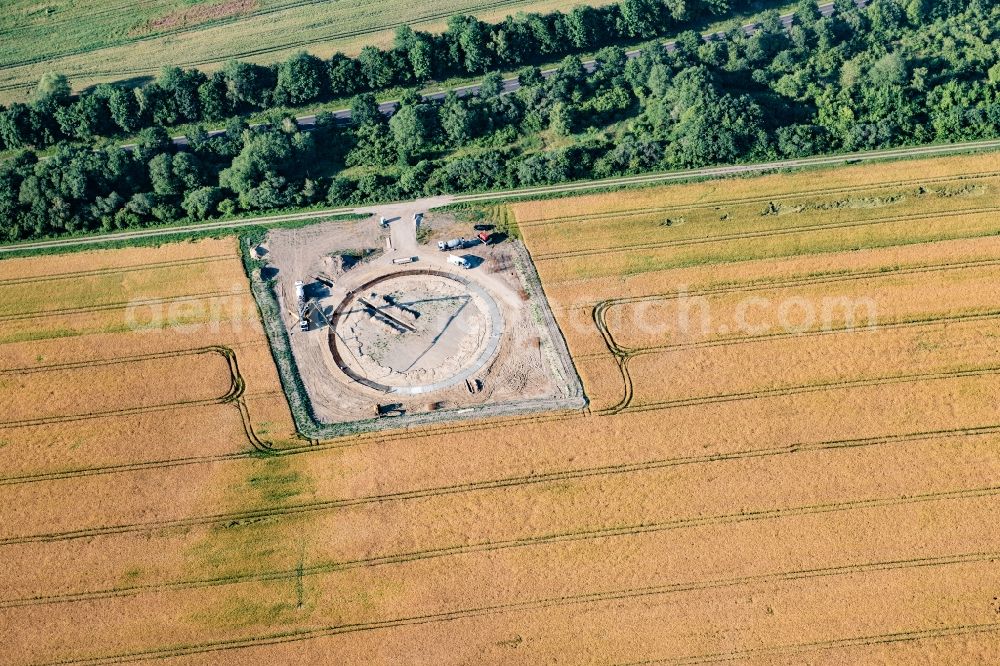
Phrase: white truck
[456,260]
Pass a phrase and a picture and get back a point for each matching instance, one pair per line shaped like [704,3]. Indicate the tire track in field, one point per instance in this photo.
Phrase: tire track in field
[795,281]
[356,440]
[118,360]
[600,308]
[131,411]
[254,515]
[568,600]
[442,552]
[749,339]
[804,388]
[748,235]
[310,446]
[139,268]
[706,205]
[790,255]
[233,393]
[104,307]
[833,644]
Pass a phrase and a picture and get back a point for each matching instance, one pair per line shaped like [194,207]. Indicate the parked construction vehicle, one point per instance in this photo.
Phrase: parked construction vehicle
[453,244]
[392,409]
[300,300]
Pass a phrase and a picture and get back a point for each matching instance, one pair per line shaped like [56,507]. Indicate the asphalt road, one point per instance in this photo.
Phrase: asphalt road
[609,183]
[510,85]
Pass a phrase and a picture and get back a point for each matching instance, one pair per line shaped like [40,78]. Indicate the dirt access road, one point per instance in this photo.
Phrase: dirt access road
[403,219]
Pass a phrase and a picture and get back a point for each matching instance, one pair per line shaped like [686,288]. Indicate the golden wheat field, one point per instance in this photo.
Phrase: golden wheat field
[791,452]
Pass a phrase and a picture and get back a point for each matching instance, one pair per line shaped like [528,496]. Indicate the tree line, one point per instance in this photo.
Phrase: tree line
[468,47]
[899,72]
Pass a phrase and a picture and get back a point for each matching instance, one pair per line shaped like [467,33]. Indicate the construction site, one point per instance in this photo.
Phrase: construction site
[384,330]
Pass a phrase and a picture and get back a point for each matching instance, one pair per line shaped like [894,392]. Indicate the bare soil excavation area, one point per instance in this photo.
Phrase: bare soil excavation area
[799,491]
[395,326]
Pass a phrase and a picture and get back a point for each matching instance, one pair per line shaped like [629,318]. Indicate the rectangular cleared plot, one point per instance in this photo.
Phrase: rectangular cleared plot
[625,261]
[761,216]
[784,363]
[892,297]
[105,388]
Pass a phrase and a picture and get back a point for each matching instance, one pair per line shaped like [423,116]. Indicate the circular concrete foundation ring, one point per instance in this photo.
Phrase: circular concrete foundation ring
[488,351]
